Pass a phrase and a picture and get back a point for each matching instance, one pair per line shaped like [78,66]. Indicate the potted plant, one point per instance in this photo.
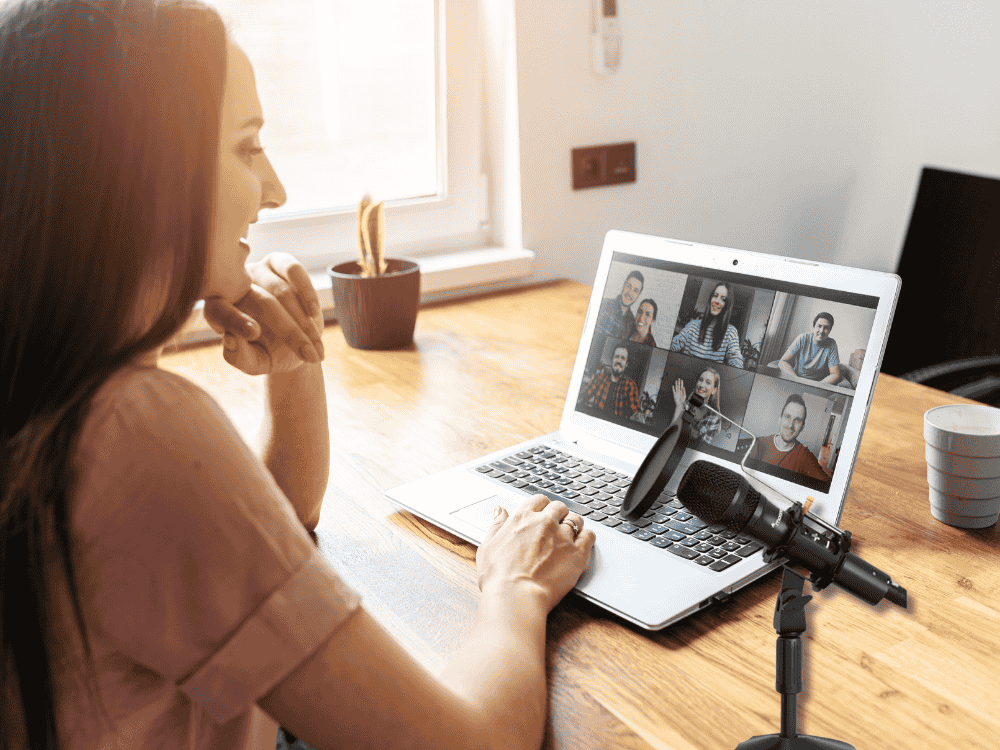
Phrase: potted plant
[375,299]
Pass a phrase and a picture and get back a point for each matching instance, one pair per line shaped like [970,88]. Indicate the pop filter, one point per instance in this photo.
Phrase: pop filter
[660,464]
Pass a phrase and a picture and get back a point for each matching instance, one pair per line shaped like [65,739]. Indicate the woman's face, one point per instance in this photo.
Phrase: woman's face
[706,385]
[644,318]
[719,298]
[246,181]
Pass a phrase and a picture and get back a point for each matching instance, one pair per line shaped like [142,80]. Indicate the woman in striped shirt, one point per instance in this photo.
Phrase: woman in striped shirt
[712,337]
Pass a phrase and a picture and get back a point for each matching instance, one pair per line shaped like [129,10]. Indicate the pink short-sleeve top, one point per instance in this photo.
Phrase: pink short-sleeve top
[200,588]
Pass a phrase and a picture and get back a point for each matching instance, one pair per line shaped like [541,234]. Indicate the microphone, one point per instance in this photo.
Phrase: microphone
[720,496]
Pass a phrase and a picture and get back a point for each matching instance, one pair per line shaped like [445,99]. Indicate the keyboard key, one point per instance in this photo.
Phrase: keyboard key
[688,554]
[642,523]
[612,521]
[524,454]
[703,548]
[519,483]
[643,534]
[597,505]
[627,528]
[717,553]
[744,538]
[689,542]
[731,546]
[661,542]
[703,535]
[682,516]
[681,527]
[508,478]
[696,522]
[483,469]
[494,473]
[732,559]
[571,493]
[657,528]
[595,516]
[720,565]
[749,549]
[727,534]
[704,560]
[675,536]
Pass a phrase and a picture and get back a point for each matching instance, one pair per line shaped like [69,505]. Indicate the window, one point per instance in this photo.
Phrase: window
[381,98]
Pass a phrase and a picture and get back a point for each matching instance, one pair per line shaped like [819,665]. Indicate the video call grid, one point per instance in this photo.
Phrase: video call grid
[741,377]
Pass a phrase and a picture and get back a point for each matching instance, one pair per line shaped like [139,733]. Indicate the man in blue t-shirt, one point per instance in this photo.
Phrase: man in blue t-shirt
[814,356]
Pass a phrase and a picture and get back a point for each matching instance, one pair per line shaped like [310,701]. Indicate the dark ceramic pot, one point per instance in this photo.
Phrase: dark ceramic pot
[378,312]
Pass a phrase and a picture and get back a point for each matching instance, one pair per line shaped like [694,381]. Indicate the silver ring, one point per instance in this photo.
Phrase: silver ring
[571,522]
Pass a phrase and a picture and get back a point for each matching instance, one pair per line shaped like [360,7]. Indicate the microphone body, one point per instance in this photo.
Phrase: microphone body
[720,496]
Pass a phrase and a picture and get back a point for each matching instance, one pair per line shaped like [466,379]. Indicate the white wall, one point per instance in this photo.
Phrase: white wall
[776,126]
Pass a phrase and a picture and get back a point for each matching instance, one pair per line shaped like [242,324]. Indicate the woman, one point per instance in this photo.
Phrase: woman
[712,337]
[160,588]
[708,423]
[643,320]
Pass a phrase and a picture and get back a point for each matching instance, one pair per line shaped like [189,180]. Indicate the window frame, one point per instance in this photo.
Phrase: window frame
[457,218]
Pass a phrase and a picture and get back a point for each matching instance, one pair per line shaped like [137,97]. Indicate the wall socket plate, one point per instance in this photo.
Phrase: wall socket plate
[597,166]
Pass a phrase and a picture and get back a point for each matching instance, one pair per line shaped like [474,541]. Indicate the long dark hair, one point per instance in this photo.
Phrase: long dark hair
[109,135]
[721,320]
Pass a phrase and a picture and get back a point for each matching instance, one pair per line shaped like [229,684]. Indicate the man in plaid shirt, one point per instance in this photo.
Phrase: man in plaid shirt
[610,391]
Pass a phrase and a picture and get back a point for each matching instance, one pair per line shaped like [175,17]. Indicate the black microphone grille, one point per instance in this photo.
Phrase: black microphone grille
[707,490]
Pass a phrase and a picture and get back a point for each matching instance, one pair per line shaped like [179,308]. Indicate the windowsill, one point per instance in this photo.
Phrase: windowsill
[441,277]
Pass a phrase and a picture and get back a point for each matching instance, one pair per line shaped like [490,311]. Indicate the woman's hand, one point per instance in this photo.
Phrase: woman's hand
[277,326]
[535,547]
[680,398]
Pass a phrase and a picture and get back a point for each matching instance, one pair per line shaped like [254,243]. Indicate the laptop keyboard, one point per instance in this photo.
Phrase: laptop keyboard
[596,493]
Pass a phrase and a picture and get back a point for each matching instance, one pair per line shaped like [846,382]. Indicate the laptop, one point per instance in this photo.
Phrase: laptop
[792,368]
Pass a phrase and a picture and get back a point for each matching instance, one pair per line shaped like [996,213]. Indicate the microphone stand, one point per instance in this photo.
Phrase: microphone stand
[790,623]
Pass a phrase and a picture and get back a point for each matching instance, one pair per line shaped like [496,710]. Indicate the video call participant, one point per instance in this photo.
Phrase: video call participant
[643,321]
[784,449]
[712,337]
[611,391]
[708,424]
[615,317]
[814,355]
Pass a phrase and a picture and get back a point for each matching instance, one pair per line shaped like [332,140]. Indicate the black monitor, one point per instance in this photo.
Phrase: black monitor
[950,267]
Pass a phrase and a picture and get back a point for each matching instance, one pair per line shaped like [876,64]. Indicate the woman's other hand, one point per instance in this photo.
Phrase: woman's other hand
[277,326]
[536,549]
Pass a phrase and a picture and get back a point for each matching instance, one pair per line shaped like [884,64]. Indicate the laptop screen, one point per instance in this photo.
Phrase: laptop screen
[779,359]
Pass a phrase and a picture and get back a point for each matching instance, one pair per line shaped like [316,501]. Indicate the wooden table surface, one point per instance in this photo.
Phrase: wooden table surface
[487,372]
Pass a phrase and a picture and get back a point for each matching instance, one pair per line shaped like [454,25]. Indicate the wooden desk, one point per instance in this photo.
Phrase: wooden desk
[491,371]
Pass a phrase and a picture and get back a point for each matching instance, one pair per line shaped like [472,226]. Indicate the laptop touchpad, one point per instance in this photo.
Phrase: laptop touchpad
[480,514]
